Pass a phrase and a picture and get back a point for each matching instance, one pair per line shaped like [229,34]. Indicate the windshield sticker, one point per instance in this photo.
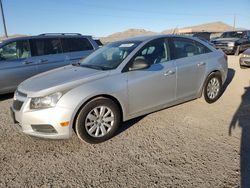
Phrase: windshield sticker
[127,45]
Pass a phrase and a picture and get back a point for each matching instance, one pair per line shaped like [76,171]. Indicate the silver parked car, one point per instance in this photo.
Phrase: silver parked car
[245,59]
[118,82]
[23,57]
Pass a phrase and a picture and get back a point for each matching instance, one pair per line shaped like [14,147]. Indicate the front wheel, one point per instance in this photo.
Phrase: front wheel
[98,120]
[212,88]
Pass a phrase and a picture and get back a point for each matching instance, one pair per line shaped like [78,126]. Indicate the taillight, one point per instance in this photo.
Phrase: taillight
[225,57]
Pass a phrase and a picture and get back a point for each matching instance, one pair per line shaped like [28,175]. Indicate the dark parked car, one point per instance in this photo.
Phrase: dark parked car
[98,42]
[245,59]
[233,42]
[202,35]
[23,57]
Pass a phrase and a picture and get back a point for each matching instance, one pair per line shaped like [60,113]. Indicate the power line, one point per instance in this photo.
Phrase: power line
[4,24]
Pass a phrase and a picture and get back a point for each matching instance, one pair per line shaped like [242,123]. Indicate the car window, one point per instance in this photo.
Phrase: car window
[45,46]
[184,47]
[76,44]
[111,55]
[15,50]
[244,34]
[156,51]
[233,34]
[202,49]
[98,42]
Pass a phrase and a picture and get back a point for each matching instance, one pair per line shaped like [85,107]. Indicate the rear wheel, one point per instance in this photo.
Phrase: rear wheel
[212,88]
[98,120]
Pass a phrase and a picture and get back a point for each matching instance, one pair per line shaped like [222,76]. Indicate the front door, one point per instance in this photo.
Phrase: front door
[155,86]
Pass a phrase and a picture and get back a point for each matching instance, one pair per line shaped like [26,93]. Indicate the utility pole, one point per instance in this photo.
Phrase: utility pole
[4,24]
[234,21]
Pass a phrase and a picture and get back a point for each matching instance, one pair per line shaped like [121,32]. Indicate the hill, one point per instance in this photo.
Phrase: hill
[126,34]
[208,27]
[216,27]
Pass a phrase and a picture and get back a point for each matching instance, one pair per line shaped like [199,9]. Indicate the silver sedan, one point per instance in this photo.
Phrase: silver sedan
[118,82]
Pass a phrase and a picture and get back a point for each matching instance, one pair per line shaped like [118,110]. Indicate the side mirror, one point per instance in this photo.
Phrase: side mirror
[139,64]
[245,37]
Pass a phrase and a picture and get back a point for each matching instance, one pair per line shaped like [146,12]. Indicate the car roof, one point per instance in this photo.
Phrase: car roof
[42,36]
[143,38]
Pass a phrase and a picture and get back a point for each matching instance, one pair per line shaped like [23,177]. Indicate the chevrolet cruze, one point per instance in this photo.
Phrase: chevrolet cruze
[118,82]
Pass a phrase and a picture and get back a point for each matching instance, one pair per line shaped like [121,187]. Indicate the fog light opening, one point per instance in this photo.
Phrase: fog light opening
[44,128]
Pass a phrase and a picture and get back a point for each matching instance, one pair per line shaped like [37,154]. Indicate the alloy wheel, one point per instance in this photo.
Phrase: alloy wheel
[99,121]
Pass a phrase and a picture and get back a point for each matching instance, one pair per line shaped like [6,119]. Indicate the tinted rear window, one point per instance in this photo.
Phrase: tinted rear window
[184,47]
[98,42]
[45,46]
[76,44]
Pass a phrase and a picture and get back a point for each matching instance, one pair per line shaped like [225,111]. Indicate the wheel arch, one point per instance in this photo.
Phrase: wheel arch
[114,99]
[216,71]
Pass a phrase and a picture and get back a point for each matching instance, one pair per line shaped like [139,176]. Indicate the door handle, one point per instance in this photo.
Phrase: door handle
[201,64]
[169,72]
[43,61]
[27,62]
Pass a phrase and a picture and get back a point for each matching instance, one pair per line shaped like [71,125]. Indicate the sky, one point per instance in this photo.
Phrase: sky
[100,18]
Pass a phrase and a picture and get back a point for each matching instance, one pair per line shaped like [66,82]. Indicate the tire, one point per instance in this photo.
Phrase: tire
[98,120]
[212,88]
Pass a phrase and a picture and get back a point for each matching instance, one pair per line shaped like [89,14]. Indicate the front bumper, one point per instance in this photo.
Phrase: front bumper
[245,61]
[43,123]
[226,49]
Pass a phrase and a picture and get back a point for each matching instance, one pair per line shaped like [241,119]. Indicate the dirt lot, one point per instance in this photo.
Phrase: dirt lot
[184,146]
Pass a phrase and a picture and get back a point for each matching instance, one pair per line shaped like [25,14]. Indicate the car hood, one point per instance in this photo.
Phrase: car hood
[61,79]
[225,40]
[247,51]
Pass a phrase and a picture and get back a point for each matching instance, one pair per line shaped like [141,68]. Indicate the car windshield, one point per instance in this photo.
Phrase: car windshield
[238,34]
[110,56]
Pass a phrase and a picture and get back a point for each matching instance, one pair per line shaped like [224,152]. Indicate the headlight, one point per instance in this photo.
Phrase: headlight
[231,44]
[245,55]
[45,102]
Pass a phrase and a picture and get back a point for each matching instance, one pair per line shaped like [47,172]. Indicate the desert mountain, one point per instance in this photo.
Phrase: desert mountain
[209,27]
[126,34]
[12,36]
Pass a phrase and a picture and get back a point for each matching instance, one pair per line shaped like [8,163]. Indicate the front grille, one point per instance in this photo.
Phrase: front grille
[17,105]
[247,62]
[222,46]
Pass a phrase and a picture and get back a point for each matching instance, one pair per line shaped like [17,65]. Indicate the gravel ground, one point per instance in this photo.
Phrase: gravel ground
[184,146]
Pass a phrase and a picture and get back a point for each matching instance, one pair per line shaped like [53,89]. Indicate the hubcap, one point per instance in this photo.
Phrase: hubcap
[213,88]
[99,121]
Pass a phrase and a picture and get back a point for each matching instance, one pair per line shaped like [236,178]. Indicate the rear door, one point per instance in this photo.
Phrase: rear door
[47,53]
[190,59]
[16,65]
[76,48]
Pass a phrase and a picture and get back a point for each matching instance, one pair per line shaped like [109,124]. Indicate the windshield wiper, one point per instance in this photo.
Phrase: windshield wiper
[98,67]
[76,64]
